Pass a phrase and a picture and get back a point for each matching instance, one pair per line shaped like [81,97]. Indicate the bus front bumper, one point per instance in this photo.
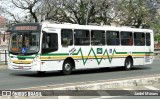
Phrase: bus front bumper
[24,67]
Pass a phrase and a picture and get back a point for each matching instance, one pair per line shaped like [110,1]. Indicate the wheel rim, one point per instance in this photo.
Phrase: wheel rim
[67,67]
[128,64]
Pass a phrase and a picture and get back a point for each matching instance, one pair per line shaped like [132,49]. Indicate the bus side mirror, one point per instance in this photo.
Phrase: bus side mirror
[44,32]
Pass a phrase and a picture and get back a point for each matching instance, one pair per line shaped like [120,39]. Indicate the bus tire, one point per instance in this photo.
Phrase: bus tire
[128,64]
[67,67]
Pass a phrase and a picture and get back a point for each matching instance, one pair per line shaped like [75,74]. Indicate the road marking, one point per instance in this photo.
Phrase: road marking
[102,93]
[40,97]
[63,97]
[151,88]
[127,89]
[105,97]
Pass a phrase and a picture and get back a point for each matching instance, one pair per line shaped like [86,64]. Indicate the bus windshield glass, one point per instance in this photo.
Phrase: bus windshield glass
[24,42]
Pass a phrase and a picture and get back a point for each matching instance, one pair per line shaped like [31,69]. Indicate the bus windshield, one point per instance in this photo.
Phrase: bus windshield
[24,42]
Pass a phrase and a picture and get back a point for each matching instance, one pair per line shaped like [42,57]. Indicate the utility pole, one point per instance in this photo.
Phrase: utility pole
[88,8]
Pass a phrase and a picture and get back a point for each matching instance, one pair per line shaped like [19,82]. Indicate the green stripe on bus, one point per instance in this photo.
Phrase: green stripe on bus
[142,52]
[23,57]
[56,54]
[121,52]
[105,53]
[28,57]
[99,60]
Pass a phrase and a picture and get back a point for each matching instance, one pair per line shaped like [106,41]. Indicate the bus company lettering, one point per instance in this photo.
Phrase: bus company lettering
[72,51]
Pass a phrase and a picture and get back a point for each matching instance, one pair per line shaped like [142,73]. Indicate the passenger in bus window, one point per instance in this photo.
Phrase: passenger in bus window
[68,41]
[142,41]
[130,40]
[113,42]
[77,41]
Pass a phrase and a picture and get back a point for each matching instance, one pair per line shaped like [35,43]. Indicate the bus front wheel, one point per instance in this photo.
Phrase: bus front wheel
[67,67]
[128,64]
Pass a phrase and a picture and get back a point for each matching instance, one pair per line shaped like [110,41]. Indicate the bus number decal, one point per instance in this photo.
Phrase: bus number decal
[99,50]
[110,50]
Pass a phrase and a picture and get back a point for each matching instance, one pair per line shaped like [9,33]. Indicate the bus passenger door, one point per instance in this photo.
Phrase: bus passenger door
[49,48]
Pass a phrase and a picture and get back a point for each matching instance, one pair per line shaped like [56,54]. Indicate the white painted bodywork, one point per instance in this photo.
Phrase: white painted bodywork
[51,65]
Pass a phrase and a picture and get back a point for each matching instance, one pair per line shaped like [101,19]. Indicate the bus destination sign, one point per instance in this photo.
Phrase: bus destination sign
[32,28]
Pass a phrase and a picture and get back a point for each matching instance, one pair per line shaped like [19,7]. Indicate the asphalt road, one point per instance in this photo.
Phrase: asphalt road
[19,79]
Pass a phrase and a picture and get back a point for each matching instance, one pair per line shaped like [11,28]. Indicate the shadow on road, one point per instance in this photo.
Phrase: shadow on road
[78,72]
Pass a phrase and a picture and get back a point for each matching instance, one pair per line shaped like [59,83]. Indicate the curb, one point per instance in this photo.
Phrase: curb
[103,84]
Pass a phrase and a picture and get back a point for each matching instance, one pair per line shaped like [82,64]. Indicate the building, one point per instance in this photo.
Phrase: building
[3,35]
[3,22]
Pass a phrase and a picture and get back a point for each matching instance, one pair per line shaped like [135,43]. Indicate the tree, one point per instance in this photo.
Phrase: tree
[29,5]
[138,13]
[8,10]
[79,11]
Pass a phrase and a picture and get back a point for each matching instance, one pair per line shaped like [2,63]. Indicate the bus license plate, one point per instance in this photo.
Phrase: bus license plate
[20,67]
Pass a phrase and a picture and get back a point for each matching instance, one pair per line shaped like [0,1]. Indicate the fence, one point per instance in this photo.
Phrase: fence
[4,40]
[3,57]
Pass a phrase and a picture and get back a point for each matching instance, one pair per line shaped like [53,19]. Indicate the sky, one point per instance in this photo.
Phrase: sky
[6,4]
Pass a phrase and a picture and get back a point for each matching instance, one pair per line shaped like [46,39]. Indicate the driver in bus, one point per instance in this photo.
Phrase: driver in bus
[45,43]
[26,42]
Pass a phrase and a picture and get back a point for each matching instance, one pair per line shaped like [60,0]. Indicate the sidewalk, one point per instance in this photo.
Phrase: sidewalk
[2,66]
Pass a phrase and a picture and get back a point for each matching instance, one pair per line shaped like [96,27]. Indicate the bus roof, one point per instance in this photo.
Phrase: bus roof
[89,27]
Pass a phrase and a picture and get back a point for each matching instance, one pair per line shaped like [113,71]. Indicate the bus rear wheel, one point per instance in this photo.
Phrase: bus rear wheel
[128,64]
[67,67]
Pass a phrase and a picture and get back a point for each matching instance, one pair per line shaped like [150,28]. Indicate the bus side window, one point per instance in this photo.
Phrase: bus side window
[50,42]
[97,37]
[66,37]
[82,37]
[148,39]
[126,38]
[139,39]
[112,37]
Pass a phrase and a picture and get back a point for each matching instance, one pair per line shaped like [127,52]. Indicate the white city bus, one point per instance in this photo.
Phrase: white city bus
[65,47]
